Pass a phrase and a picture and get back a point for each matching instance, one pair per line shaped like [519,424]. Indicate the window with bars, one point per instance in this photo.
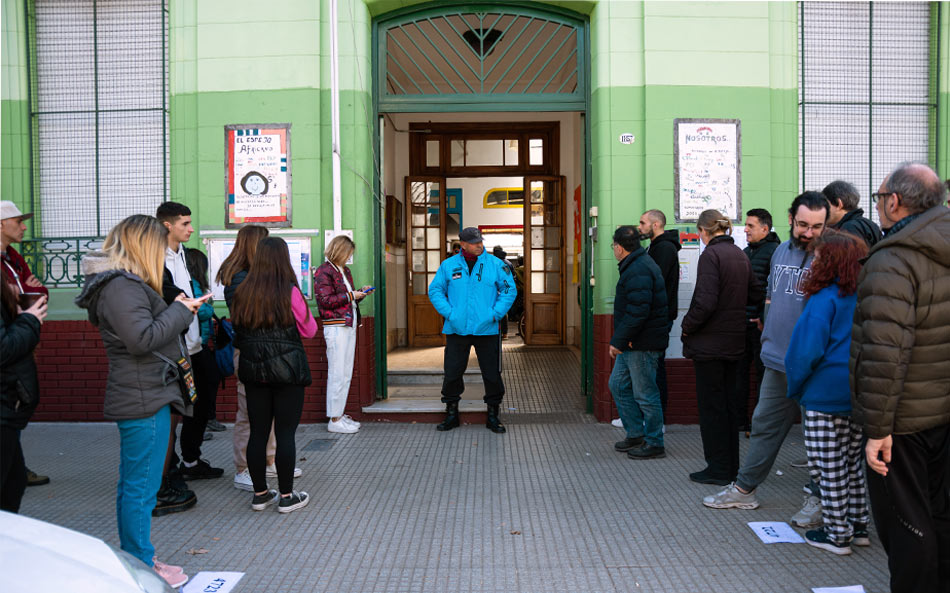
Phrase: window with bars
[867,91]
[99,117]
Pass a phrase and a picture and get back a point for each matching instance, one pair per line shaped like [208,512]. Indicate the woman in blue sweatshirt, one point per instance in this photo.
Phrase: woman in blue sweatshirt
[816,365]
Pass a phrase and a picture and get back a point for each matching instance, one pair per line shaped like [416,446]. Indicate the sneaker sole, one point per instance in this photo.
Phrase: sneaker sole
[338,431]
[175,584]
[263,505]
[294,507]
[806,525]
[657,456]
[178,508]
[274,475]
[845,551]
[745,506]
[861,541]
[244,487]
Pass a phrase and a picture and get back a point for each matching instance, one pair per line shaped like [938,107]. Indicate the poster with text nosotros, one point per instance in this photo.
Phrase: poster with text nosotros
[707,163]
[257,175]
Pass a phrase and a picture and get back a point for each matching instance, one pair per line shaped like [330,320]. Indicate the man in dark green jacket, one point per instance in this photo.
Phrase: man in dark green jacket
[640,336]
[900,377]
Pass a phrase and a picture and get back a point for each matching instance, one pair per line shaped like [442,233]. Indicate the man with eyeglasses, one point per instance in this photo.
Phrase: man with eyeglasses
[900,377]
[775,412]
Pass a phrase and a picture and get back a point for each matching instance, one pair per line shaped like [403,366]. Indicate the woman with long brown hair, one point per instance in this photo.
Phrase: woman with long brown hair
[142,339]
[270,316]
[816,365]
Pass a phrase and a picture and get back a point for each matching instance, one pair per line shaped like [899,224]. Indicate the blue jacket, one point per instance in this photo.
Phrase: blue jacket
[472,304]
[816,362]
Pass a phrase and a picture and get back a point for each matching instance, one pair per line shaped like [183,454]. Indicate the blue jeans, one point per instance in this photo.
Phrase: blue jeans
[142,446]
[633,385]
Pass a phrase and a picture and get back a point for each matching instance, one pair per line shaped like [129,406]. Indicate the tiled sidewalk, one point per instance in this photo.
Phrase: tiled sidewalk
[404,508]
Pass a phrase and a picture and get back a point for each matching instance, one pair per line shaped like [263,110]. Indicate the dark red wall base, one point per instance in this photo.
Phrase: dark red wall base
[73,367]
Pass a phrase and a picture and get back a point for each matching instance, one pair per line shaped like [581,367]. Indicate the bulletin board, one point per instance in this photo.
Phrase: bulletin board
[707,163]
[257,176]
[219,248]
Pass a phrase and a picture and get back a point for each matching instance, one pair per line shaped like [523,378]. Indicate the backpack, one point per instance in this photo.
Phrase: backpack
[224,346]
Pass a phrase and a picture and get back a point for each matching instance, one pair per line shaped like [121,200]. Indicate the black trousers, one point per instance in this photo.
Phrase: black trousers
[206,384]
[715,384]
[488,351]
[282,405]
[911,509]
[12,470]
[752,356]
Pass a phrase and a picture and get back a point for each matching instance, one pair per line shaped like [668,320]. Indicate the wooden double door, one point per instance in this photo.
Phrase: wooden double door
[428,244]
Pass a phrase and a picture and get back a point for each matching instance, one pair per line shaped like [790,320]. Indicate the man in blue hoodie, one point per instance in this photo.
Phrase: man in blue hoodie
[472,290]
[775,412]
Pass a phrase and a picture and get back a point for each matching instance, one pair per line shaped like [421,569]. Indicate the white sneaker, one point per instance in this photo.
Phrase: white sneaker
[732,498]
[810,514]
[341,426]
[271,471]
[616,422]
[242,481]
[349,420]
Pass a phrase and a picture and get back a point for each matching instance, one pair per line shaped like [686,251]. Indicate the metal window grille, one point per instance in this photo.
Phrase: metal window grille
[867,91]
[99,116]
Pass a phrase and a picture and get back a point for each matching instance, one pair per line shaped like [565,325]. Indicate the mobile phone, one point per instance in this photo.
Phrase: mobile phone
[369,290]
[205,297]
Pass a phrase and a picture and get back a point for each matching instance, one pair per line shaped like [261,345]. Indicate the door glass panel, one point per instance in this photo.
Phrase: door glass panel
[484,153]
[552,236]
[418,216]
[452,227]
[433,260]
[418,262]
[537,192]
[536,151]
[552,260]
[430,277]
[551,212]
[432,153]
[537,237]
[419,285]
[458,153]
[511,153]
[537,282]
[537,259]
[432,238]
[537,217]
[552,283]
[418,238]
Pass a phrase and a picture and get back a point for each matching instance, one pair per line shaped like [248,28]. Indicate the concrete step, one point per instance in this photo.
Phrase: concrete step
[428,377]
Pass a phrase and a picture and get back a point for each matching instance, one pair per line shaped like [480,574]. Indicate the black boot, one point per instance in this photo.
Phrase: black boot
[451,417]
[493,423]
[172,499]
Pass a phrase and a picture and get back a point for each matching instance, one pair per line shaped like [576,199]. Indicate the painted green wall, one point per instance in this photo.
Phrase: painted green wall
[656,61]
[14,108]
[942,10]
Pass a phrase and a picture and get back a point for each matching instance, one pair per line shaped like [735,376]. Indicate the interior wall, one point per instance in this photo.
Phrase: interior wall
[396,168]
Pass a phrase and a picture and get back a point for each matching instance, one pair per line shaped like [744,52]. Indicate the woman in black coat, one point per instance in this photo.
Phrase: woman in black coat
[19,388]
[714,338]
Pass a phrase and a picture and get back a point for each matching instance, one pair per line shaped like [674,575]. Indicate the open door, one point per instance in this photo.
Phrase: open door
[426,248]
[544,259]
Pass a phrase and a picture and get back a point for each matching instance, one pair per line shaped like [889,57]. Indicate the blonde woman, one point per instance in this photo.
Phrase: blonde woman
[122,295]
[338,304]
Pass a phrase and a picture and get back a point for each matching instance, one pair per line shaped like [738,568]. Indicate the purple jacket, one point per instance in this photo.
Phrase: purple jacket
[334,301]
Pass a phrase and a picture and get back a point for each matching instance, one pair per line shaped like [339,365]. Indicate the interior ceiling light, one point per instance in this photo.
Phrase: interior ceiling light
[482,41]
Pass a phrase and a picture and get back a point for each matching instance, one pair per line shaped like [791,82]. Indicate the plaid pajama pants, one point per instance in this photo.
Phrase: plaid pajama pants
[835,450]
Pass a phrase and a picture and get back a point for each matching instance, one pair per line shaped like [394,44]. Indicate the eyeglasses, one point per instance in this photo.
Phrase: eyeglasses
[801,224]
[880,194]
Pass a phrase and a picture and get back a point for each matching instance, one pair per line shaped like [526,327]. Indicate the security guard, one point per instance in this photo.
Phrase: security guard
[472,290]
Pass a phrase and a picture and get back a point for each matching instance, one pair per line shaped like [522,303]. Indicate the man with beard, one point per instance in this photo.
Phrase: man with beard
[775,412]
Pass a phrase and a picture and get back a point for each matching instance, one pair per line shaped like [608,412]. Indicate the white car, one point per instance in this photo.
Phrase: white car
[40,556]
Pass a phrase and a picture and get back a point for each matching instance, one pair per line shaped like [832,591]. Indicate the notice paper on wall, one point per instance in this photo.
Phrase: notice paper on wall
[776,532]
[299,247]
[212,582]
[257,174]
[707,167]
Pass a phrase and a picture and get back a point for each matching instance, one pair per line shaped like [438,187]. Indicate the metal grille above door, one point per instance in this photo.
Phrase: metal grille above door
[455,58]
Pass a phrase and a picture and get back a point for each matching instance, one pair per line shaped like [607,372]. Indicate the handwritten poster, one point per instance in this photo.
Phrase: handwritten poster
[706,155]
[257,175]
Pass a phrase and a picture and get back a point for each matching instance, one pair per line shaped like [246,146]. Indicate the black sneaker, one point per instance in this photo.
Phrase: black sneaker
[646,451]
[208,436]
[860,537]
[215,426]
[627,444]
[34,479]
[173,500]
[262,501]
[200,471]
[820,539]
[706,477]
[296,500]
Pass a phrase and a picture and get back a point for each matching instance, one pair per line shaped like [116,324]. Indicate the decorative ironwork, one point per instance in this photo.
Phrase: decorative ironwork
[56,261]
[501,53]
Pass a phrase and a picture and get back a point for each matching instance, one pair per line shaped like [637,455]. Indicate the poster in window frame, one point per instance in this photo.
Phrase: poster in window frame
[257,180]
[707,162]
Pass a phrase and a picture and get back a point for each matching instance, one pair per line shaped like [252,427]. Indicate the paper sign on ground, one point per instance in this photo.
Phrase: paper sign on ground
[212,582]
[776,532]
[851,589]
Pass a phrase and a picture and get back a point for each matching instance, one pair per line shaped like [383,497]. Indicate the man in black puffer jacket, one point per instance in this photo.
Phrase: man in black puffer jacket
[845,215]
[664,249]
[640,336]
[762,241]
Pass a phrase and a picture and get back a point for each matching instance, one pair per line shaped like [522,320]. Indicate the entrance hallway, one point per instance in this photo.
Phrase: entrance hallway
[542,383]
[402,508]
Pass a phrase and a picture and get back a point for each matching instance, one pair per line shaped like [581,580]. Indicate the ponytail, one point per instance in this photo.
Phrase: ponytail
[714,223]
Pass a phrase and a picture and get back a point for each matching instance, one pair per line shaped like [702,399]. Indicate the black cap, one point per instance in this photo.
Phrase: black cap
[499,251]
[470,235]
